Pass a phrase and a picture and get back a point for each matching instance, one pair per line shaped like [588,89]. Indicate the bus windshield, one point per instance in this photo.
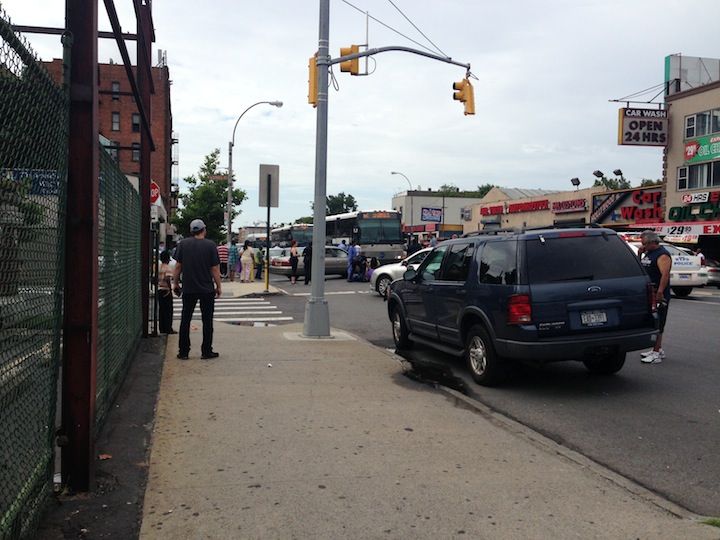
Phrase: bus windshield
[379,231]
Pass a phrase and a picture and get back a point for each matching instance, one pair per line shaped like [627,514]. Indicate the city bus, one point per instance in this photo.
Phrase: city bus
[300,232]
[378,233]
[257,240]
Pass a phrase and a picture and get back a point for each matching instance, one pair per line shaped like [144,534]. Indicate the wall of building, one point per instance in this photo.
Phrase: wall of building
[443,215]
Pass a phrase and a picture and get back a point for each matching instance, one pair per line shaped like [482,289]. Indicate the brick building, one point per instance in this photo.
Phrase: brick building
[120,124]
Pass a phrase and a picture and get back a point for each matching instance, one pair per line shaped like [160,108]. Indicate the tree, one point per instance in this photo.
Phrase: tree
[613,183]
[338,204]
[484,189]
[446,189]
[305,219]
[207,199]
[650,182]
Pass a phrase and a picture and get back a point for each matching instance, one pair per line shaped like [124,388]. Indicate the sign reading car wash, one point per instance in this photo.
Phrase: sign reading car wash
[702,149]
[642,127]
[566,207]
[627,206]
[154,192]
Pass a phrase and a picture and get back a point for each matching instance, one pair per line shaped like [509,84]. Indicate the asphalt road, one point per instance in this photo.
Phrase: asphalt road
[656,424]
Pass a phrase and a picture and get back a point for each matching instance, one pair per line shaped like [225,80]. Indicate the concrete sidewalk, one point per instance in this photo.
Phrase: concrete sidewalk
[283,437]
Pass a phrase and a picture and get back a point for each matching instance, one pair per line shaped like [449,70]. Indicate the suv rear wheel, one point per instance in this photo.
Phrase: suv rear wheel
[681,292]
[399,329]
[605,365]
[482,361]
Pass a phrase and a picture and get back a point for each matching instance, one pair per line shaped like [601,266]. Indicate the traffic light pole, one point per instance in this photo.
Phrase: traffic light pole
[317,316]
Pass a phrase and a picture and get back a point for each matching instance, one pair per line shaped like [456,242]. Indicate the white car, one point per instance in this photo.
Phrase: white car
[386,274]
[687,270]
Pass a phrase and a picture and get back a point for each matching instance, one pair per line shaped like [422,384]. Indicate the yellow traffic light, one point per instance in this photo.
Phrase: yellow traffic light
[464,92]
[312,81]
[353,66]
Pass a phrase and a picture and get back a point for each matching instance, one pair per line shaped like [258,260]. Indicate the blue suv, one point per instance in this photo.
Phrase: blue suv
[533,295]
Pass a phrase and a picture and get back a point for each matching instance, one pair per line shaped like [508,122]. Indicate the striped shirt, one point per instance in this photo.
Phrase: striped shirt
[223,253]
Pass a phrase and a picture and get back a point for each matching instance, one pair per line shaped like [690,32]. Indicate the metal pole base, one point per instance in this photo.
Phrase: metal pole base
[317,318]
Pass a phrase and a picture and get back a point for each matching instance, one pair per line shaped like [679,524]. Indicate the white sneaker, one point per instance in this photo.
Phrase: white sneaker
[648,353]
[653,358]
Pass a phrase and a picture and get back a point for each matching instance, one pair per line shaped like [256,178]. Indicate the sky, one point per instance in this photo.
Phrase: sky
[546,72]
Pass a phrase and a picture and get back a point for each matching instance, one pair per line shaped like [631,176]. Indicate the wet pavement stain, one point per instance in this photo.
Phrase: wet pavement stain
[420,367]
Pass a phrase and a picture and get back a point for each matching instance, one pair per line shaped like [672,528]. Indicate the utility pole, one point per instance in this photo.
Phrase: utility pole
[317,315]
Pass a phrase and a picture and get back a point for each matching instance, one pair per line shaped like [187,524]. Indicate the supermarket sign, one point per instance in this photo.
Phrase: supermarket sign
[702,149]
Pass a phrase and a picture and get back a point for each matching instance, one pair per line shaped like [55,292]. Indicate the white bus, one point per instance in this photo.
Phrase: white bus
[300,232]
[378,233]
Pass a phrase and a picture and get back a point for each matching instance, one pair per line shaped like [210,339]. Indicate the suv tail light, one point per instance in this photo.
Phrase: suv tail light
[651,297]
[519,310]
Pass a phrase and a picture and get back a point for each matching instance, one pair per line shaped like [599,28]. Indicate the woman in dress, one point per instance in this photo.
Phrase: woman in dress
[165,299]
[247,259]
[293,261]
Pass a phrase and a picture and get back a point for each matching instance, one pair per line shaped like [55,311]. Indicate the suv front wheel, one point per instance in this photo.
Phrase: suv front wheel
[482,361]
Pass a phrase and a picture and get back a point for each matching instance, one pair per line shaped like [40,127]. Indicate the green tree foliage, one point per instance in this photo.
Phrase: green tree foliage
[338,204]
[206,199]
[613,183]
[446,189]
[483,190]
[645,182]
[305,219]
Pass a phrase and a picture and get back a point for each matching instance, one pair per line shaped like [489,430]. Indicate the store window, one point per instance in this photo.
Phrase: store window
[682,178]
[115,90]
[702,123]
[136,122]
[716,121]
[116,121]
[689,127]
[136,151]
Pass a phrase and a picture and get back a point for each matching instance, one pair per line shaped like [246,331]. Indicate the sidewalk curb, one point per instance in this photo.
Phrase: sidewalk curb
[547,444]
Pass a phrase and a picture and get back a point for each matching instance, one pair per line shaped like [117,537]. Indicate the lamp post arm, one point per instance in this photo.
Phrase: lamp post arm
[232,142]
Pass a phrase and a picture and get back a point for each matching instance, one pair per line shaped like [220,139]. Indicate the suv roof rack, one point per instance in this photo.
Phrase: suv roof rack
[566,226]
[491,231]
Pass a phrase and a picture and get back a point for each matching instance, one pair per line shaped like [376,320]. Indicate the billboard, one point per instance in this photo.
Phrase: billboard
[642,127]
[431,214]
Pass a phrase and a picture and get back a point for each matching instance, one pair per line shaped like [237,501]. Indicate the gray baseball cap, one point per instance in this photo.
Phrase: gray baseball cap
[197,225]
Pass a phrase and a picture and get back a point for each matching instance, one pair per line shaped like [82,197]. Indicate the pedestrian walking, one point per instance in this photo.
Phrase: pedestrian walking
[259,260]
[352,253]
[223,254]
[657,262]
[165,300]
[199,264]
[307,262]
[293,261]
[413,247]
[247,258]
[232,259]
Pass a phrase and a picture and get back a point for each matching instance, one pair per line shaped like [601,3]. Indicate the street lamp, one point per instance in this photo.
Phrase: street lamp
[575,182]
[617,172]
[230,173]
[411,201]
[598,174]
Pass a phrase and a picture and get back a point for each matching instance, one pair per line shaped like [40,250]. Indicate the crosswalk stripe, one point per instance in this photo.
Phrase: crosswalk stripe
[250,319]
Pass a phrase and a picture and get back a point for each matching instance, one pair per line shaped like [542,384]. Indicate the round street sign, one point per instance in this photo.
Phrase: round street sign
[154,192]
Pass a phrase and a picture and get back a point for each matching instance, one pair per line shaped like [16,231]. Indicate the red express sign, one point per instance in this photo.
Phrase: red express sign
[565,207]
[492,210]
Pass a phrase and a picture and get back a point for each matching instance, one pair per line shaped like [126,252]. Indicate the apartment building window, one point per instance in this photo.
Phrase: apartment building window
[136,151]
[700,176]
[136,122]
[112,149]
[116,121]
[115,90]
[702,123]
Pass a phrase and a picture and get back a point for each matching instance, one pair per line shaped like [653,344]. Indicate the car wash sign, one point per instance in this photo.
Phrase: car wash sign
[627,206]
[642,127]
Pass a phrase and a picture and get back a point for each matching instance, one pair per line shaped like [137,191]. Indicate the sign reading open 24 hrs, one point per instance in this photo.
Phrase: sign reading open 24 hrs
[642,127]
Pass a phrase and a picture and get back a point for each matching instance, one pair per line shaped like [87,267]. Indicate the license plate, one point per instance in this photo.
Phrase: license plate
[684,276]
[593,318]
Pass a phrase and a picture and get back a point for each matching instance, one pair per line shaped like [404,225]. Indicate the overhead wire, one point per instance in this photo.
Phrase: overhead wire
[389,27]
[416,28]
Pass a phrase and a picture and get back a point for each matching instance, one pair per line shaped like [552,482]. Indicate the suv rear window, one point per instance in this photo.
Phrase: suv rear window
[579,258]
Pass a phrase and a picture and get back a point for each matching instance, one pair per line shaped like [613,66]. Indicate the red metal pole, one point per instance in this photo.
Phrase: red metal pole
[145,87]
[81,261]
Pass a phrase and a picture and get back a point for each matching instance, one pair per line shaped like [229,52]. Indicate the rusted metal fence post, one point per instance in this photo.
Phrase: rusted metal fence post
[81,261]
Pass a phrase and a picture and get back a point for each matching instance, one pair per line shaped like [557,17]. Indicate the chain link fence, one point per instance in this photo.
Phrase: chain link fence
[33,182]
[119,316]
[33,179]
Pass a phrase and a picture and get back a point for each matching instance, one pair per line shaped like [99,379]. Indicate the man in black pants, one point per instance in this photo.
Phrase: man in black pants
[307,262]
[198,262]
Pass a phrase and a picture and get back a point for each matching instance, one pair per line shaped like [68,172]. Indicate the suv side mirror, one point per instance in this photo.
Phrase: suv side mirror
[410,274]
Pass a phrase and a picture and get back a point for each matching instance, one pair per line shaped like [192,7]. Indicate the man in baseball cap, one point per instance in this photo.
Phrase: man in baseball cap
[198,262]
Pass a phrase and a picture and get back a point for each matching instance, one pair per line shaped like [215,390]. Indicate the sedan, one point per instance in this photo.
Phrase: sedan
[386,274]
[336,262]
[713,271]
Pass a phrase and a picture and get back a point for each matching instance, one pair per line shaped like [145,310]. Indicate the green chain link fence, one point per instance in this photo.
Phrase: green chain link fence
[119,316]
[33,178]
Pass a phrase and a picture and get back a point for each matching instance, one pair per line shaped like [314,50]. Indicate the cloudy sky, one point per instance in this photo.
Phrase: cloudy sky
[546,72]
